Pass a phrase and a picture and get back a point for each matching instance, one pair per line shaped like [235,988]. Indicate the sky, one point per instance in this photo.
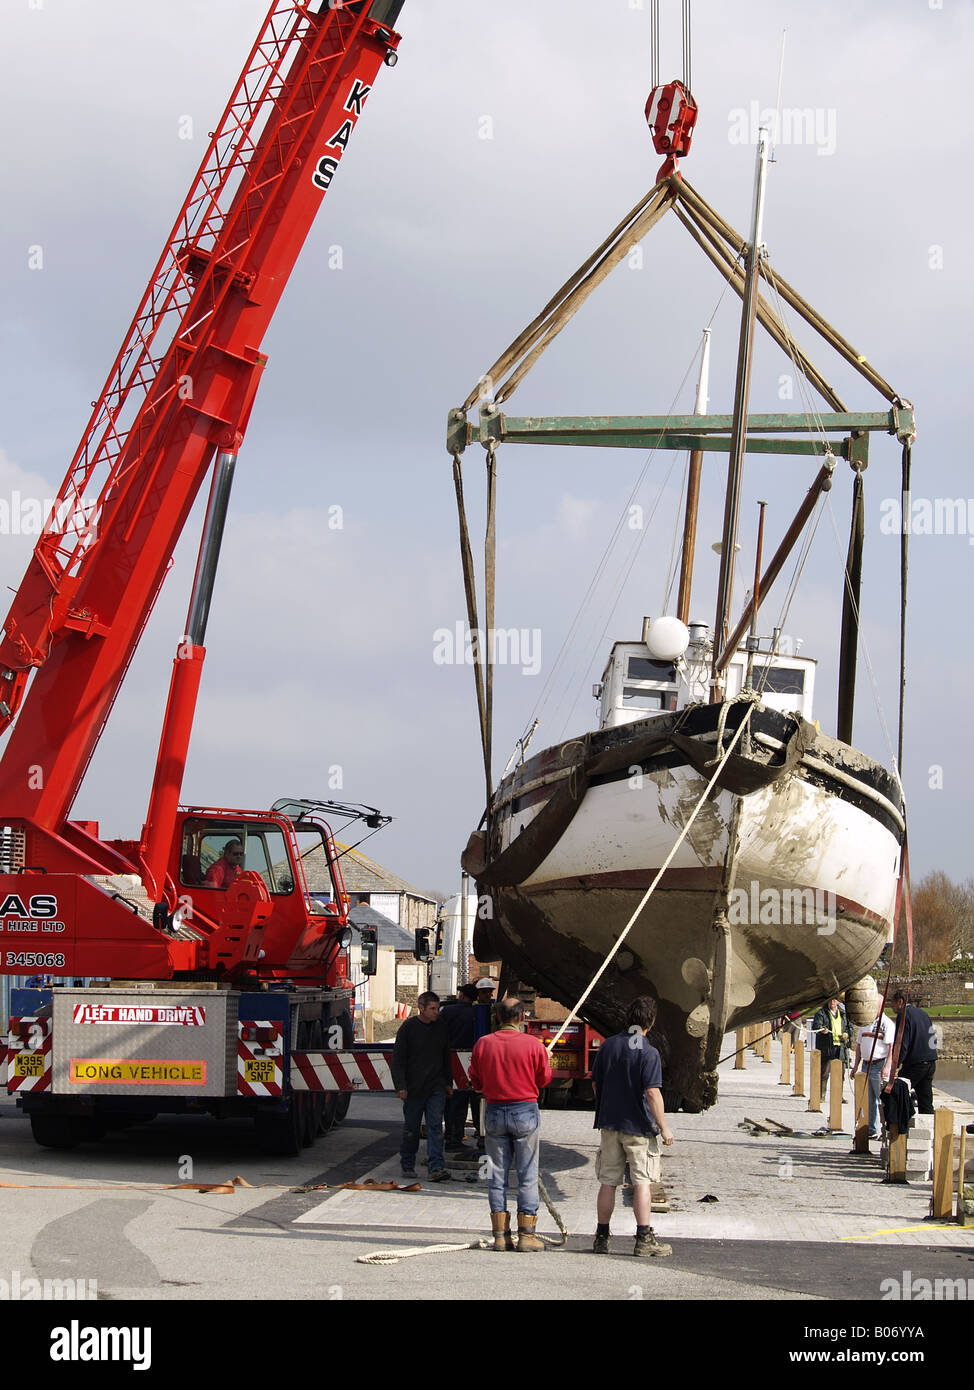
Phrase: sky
[487,165]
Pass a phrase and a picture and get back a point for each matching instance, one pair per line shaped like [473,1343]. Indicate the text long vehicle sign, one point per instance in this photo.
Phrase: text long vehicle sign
[184,1015]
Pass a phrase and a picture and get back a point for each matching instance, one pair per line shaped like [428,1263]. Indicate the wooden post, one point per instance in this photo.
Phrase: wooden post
[860,1123]
[943,1163]
[835,1093]
[814,1079]
[740,1061]
[799,1088]
[897,1154]
[766,1043]
[369,1025]
[785,1060]
[960,1175]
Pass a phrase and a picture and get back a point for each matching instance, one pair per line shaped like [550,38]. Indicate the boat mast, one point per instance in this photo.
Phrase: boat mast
[732,499]
[693,490]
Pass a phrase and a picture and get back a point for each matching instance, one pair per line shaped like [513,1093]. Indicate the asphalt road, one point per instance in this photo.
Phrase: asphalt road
[106,1214]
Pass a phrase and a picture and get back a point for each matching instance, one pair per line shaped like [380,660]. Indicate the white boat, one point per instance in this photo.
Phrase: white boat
[781,894]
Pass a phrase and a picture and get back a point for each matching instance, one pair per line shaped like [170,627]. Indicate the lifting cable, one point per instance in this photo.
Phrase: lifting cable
[654,43]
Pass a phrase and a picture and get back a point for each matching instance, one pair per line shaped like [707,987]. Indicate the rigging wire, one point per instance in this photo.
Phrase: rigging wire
[654,41]
[874,684]
[686,45]
[671,571]
[571,635]
[813,414]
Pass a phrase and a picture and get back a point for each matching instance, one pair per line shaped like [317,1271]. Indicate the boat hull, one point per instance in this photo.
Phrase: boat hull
[778,896]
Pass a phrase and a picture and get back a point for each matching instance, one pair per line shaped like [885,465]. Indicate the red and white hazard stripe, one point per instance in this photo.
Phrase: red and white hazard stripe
[28,1059]
[259,1060]
[366,1070]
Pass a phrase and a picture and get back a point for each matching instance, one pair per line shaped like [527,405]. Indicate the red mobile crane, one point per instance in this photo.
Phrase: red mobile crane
[229,966]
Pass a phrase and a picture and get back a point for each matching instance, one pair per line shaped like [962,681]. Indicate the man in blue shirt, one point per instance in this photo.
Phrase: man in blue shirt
[628,1079]
[918,1050]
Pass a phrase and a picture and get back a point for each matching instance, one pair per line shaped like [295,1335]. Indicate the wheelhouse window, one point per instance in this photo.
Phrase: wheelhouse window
[214,854]
[780,680]
[634,697]
[656,688]
[641,668]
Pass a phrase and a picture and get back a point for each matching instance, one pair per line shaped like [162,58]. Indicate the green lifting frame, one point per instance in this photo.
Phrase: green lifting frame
[709,433]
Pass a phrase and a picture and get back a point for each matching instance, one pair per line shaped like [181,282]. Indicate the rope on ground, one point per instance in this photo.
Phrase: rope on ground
[392,1257]
[556,1217]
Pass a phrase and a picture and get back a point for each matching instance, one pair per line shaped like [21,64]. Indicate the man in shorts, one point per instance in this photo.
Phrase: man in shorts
[627,1079]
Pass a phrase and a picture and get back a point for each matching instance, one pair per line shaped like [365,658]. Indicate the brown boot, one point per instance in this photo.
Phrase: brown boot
[500,1224]
[526,1239]
[649,1245]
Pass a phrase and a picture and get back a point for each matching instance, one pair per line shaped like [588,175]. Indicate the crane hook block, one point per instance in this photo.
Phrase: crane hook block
[671,114]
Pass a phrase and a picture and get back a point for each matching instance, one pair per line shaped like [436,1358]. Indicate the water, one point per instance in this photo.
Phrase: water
[957,1078]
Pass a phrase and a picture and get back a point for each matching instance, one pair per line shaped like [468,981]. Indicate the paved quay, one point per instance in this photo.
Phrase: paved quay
[807,1187]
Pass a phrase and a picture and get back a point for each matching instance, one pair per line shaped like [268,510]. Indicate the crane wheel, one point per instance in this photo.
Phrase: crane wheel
[62,1131]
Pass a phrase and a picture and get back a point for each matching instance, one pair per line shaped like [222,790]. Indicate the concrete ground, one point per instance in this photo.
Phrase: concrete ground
[798,1222]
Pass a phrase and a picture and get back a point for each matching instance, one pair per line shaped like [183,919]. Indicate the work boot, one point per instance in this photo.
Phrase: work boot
[649,1245]
[500,1224]
[600,1245]
[526,1239]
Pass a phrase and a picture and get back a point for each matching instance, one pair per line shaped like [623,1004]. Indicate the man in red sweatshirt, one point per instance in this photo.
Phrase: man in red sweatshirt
[509,1068]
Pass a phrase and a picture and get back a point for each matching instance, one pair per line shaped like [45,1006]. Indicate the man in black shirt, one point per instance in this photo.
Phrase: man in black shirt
[422,1073]
[627,1079]
[918,1050]
[460,1019]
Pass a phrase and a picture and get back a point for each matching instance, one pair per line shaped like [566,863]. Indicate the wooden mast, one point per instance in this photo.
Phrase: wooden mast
[693,491]
[732,498]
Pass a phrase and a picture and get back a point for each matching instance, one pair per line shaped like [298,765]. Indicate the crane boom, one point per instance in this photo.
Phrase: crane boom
[180,389]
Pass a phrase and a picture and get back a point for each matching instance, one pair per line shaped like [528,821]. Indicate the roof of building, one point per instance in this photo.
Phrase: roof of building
[387,933]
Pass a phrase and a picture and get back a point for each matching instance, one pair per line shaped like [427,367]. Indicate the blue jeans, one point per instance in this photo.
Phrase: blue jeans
[874,1074]
[513,1132]
[414,1109]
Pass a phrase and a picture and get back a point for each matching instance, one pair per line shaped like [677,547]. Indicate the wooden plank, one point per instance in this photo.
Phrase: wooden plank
[860,1123]
[959,1217]
[799,1087]
[740,1060]
[897,1154]
[814,1079]
[835,1094]
[778,1126]
[943,1163]
[785,1060]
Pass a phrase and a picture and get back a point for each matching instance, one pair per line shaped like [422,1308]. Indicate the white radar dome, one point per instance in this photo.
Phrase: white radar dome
[667,639]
